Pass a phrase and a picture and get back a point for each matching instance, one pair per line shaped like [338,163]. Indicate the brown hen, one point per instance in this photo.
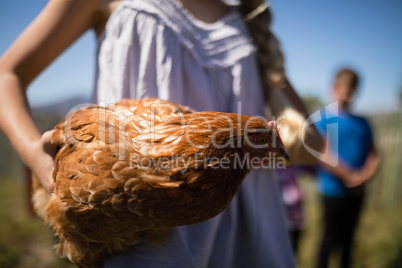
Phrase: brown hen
[131,170]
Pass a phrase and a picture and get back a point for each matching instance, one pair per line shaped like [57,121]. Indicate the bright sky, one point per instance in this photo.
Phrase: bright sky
[318,37]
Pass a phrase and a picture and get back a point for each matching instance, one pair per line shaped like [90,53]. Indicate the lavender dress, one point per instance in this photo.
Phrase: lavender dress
[154,48]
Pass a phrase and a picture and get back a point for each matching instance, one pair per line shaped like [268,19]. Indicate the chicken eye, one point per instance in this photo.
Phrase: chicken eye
[262,140]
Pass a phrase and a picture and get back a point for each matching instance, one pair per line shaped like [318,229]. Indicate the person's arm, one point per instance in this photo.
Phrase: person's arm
[312,138]
[366,172]
[349,176]
[335,166]
[55,29]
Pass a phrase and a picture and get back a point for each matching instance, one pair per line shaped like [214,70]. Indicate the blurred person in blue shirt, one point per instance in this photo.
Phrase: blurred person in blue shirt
[348,161]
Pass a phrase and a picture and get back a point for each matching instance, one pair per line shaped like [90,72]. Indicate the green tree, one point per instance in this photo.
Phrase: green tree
[313,103]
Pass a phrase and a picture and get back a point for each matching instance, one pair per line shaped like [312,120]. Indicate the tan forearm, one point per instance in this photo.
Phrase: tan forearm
[335,167]
[349,176]
[312,137]
[370,166]
[15,118]
[330,162]
[295,99]
[55,29]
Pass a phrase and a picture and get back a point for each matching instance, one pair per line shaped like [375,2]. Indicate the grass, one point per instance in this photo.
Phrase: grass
[26,242]
[378,242]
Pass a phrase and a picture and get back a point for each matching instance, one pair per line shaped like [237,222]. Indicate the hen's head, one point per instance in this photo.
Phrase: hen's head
[265,144]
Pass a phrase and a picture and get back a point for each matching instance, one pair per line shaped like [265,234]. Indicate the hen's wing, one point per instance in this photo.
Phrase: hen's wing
[100,192]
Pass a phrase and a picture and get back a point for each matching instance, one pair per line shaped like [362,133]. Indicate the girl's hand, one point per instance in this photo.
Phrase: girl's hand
[356,178]
[367,171]
[43,164]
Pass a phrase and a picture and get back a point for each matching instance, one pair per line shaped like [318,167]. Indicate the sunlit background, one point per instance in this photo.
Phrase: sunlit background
[318,37]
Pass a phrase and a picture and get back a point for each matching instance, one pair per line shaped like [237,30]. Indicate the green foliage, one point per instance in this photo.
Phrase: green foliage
[386,186]
[313,103]
[25,241]
[9,256]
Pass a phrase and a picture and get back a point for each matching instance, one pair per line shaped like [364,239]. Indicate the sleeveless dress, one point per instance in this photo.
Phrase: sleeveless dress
[155,48]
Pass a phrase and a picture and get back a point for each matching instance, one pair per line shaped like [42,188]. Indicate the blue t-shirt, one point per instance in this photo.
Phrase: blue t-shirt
[350,137]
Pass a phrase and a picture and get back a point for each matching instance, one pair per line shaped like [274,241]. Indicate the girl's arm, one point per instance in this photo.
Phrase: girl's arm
[368,170]
[313,138]
[351,177]
[53,31]
[335,166]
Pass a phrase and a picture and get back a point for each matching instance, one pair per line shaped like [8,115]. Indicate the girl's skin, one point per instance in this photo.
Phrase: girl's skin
[57,27]
[52,32]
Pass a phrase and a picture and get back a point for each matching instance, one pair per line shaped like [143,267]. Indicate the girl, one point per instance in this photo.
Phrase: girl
[193,52]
